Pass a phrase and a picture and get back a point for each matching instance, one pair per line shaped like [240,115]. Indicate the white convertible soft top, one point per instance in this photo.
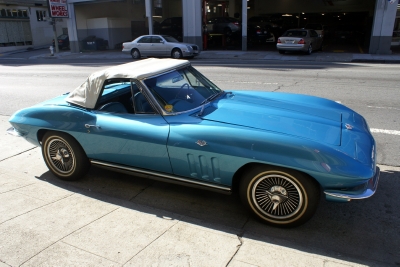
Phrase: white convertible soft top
[87,93]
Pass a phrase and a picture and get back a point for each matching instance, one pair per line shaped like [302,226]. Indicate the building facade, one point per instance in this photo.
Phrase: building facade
[371,25]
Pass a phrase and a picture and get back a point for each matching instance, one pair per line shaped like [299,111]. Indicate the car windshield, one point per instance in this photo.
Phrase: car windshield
[295,34]
[181,90]
[170,39]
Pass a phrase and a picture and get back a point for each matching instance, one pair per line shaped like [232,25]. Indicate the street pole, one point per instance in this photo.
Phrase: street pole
[53,22]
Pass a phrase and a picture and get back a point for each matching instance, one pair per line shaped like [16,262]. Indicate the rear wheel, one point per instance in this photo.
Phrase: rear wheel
[279,196]
[281,51]
[176,53]
[135,54]
[64,156]
[309,50]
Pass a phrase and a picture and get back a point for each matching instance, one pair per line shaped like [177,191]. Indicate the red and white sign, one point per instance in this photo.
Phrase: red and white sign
[58,9]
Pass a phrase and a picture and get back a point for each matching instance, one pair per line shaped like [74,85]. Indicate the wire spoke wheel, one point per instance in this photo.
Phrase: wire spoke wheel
[64,156]
[61,155]
[277,197]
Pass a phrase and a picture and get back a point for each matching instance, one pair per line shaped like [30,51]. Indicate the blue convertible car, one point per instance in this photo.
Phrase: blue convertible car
[165,120]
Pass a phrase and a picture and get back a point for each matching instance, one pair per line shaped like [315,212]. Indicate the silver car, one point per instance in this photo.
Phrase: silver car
[304,40]
[159,46]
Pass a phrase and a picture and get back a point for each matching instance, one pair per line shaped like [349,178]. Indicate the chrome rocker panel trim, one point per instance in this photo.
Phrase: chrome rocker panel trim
[163,177]
[370,189]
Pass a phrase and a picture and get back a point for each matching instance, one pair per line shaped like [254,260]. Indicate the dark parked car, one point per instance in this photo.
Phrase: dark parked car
[63,41]
[223,25]
[92,42]
[266,24]
[257,34]
[172,27]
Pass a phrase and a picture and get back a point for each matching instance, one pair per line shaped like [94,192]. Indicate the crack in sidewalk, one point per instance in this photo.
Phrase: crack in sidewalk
[239,236]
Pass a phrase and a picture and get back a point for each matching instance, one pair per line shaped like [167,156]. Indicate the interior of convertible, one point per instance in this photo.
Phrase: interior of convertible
[175,91]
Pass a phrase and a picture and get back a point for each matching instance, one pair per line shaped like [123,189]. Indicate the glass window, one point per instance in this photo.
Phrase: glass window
[170,39]
[181,90]
[145,40]
[156,39]
[295,34]
[40,15]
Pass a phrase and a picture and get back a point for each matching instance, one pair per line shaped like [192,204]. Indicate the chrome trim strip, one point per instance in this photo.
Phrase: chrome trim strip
[166,176]
[368,192]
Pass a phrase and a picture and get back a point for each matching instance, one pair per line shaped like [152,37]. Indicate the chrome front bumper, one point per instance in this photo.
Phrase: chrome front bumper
[14,132]
[368,190]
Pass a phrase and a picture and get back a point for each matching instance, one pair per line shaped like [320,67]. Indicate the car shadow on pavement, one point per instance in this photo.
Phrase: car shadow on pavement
[363,232]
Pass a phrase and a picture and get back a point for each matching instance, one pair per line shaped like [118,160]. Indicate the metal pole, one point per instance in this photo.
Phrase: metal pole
[55,35]
[244,25]
[149,15]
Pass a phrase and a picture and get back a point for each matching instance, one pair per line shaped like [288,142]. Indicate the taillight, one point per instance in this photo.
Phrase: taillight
[279,41]
[301,41]
[258,31]
[322,32]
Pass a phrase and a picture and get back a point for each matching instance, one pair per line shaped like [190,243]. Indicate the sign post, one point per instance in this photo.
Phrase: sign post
[57,9]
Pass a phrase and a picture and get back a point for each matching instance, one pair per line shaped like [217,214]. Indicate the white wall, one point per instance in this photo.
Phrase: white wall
[42,31]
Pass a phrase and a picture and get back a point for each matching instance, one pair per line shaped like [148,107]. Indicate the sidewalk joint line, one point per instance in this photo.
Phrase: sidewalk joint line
[18,153]
[141,191]
[68,244]
[151,243]
[60,240]
[37,208]
[17,189]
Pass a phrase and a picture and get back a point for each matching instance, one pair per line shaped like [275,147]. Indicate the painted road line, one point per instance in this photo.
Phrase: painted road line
[384,107]
[393,132]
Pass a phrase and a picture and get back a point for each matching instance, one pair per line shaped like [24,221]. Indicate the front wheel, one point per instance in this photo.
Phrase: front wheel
[279,196]
[176,53]
[64,156]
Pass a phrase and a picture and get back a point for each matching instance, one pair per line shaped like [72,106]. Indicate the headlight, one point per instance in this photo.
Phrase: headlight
[189,47]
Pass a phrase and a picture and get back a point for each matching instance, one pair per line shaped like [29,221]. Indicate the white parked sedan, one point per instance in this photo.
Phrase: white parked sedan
[303,40]
[159,46]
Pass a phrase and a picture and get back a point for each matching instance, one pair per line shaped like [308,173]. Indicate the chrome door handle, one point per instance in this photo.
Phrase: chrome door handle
[95,126]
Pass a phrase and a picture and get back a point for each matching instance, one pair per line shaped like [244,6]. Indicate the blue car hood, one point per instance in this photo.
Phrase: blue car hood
[296,115]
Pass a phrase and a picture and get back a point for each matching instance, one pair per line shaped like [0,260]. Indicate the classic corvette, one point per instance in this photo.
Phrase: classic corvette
[163,119]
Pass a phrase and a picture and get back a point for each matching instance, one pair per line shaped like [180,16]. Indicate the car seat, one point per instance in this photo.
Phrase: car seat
[141,104]
[115,107]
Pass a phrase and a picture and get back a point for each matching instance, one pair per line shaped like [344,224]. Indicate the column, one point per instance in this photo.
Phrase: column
[191,20]
[382,29]
[244,25]
[72,32]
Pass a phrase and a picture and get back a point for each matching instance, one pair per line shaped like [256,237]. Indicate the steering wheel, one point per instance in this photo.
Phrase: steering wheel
[180,89]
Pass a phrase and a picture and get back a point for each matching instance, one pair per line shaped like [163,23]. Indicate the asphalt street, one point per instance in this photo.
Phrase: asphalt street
[110,219]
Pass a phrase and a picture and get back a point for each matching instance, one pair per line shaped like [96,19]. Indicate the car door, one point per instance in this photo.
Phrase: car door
[144,45]
[158,46]
[197,150]
[124,137]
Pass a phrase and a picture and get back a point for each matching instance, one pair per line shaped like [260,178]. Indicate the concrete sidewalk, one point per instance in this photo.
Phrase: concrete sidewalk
[110,219]
[243,55]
